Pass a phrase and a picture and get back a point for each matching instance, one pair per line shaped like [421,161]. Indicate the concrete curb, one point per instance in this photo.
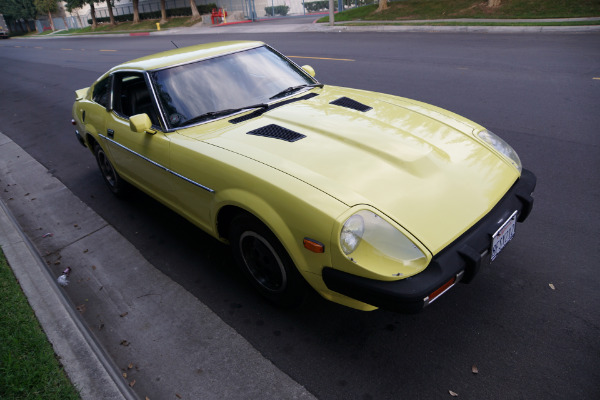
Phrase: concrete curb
[166,342]
[91,371]
[385,26]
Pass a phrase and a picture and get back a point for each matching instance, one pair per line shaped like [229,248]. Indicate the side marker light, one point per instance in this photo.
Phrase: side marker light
[314,246]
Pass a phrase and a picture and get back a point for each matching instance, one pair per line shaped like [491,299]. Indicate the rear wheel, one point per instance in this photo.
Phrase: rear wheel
[265,262]
[112,179]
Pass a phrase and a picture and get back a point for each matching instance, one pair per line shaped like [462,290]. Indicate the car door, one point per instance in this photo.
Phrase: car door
[142,158]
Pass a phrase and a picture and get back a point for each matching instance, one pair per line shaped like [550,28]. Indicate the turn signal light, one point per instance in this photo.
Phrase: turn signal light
[314,246]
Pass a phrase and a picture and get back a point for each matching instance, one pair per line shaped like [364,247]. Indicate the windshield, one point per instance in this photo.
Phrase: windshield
[231,81]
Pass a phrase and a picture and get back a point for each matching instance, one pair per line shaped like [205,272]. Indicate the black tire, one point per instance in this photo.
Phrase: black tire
[264,261]
[112,179]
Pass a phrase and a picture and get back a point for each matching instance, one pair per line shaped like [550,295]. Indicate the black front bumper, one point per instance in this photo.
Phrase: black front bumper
[461,259]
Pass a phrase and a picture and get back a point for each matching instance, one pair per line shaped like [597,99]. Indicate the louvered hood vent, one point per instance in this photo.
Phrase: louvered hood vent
[349,103]
[277,132]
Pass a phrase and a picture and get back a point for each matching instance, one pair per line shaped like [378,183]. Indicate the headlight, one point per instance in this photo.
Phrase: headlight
[501,146]
[352,233]
[368,239]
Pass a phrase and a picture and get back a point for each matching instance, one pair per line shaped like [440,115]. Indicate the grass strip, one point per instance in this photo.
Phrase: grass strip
[573,23]
[440,9]
[147,25]
[29,368]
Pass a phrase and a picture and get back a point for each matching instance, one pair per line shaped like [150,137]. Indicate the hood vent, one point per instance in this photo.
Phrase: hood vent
[353,104]
[277,132]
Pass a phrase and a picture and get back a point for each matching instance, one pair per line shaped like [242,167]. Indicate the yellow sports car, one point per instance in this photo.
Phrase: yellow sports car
[373,200]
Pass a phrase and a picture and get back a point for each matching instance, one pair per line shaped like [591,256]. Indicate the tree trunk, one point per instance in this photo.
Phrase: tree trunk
[111,15]
[93,14]
[493,3]
[136,12]
[195,13]
[163,12]
[51,21]
[383,5]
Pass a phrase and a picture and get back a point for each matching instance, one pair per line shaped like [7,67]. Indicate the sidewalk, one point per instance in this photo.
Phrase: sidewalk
[118,315]
[271,26]
[310,25]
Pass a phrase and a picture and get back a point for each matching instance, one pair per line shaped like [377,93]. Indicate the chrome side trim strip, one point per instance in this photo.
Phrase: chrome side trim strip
[201,186]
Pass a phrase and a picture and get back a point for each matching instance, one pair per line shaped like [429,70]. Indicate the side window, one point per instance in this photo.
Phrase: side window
[101,94]
[132,96]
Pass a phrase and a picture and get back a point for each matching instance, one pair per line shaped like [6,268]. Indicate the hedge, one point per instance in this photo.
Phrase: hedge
[171,12]
[279,10]
[314,6]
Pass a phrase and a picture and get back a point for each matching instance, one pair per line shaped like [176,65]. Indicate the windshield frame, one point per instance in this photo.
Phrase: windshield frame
[151,74]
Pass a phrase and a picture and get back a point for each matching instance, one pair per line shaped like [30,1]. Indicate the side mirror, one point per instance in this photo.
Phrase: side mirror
[309,70]
[141,123]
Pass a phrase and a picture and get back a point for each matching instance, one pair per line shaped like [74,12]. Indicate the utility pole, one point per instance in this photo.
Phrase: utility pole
[331,13]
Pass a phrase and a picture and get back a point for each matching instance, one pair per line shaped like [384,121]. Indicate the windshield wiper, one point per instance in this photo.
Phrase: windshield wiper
[292,89]
[221,113]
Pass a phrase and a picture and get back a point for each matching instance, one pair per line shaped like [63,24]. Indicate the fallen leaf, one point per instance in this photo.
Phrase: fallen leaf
[147,398]
[124,343]
[130,366]
[453,394]
[94,267]
[124,375]
[85,251]
[124,314]
[132,383]
[81,308]
[474,369]
[178,395]
[551,286]
[101,327]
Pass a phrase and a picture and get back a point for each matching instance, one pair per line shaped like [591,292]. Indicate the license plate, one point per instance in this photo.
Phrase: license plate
[503,235]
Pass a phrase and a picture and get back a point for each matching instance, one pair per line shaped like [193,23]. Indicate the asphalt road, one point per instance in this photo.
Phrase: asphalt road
[528,341]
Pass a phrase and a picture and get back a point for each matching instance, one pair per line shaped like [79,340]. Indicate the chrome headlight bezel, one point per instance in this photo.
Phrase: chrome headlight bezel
[498,144]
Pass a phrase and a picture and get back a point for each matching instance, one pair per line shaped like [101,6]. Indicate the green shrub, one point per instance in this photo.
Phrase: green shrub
[315,6]
[277,10]
[171,12]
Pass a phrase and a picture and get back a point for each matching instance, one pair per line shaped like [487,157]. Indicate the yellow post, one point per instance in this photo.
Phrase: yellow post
[158,26]
[224,18]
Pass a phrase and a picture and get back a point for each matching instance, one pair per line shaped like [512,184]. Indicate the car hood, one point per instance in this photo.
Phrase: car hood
[420,165]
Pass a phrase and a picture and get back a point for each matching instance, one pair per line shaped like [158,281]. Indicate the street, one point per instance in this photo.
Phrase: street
[529,323]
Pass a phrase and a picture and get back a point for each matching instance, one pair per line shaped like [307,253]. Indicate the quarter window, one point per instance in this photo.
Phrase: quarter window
[101,94]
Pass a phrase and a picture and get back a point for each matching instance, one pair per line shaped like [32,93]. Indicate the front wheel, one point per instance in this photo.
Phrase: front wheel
[112,179]
[265,262]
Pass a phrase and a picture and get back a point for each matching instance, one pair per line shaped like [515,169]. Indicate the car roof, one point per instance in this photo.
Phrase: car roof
[185,55]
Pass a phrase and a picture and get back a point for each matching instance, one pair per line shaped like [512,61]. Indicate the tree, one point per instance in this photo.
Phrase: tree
[163,12]
[73,4]
[195,13]
[15,10]
[136,12]
[383,5]
[109,5]
[47,7]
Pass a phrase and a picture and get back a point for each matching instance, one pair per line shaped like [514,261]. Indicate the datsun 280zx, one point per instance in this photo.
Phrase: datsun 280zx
[372,200]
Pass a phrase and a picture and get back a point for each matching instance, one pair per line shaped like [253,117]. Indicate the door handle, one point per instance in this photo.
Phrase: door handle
[110,133]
